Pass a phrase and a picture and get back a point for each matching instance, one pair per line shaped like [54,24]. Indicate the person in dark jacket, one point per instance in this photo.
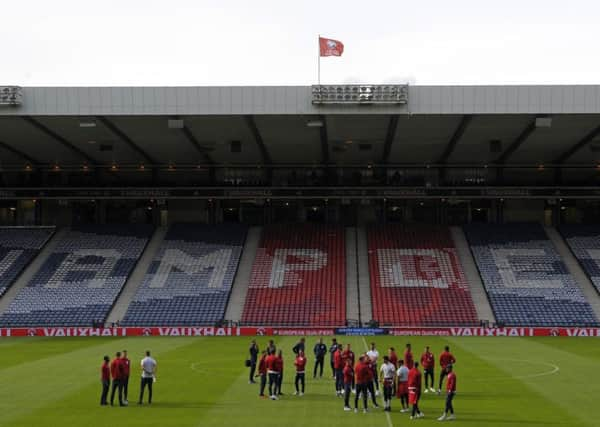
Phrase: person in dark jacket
[332,349]
[320,350]
[253,359]
[105,380]
[299,347]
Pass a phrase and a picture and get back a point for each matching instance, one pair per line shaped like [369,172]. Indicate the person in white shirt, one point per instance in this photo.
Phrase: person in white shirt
[402,388]
[148,365]
[388,373]
[374,355]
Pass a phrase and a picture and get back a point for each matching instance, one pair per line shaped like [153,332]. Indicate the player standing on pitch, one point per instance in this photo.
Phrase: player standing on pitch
[348,383]
[446,358]
[388,372]
[338,371]
[414,391]
[262,373]
[300,364]
[428,363]
[116,371]
[402,388]
[450,393]
[362,371]
[105,380]
[253,350]
[320,351]
[409,360]
[374,356]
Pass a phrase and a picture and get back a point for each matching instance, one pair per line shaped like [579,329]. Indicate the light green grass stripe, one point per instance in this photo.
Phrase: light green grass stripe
[29,349]
[30,386]
[528,362]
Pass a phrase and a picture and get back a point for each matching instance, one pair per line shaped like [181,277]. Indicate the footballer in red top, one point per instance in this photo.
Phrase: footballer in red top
[446,358]
[414,390]
[348,383]
[105,380]
[428,364]
[272,365]
[262,373]
[300,364]
[338,367]
[117,371]
[450,393]
[348,354]
[362,375]
[126,362]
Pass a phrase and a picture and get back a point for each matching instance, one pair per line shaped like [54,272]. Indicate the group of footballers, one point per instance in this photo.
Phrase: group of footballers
[118,370]
[399,377]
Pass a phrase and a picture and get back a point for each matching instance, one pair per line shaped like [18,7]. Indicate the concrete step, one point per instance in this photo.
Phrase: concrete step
[587,287]
[136,277]
[364,278]
[352,300]
[478,292]
[30,271]
[237,298]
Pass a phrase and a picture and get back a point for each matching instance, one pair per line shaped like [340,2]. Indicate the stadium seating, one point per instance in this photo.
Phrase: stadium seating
[18,247]
[190,279]
[79,282]
[298,277]
[416,278]
[584,241]
[527,282]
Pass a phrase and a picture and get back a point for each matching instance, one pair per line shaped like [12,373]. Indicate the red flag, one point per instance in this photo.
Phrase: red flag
[330,47]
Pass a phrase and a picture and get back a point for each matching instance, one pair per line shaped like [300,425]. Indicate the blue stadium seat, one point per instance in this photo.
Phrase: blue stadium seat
[190,279]
[18,247]
[526,281]
[79,282]
[584,241]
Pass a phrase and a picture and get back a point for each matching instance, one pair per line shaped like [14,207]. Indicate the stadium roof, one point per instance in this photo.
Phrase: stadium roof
[447,125]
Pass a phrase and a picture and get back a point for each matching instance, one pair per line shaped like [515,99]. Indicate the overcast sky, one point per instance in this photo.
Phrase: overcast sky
[256,42]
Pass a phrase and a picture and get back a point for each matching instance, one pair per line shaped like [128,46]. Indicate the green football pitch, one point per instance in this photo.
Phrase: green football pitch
[203,382]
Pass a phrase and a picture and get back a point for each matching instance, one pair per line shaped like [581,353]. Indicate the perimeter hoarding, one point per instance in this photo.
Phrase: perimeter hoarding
[204,331]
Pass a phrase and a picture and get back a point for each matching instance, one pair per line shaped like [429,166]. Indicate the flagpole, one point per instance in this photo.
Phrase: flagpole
[319,60]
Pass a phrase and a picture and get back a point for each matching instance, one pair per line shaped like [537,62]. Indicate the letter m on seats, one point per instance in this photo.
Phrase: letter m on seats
[178,260]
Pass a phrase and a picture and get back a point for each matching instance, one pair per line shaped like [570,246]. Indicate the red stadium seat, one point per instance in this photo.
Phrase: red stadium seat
[416,278]
[298,277]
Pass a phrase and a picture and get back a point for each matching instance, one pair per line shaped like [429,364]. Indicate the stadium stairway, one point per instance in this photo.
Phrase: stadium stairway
[583,281]
[30,271]
[137,277]
[235,305]
[364,277]
[478,293]
[352,299]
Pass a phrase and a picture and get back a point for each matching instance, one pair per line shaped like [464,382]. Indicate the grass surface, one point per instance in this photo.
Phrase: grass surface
[202,382]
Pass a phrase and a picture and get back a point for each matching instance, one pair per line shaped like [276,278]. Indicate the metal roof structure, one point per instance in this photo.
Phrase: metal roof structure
[515,130]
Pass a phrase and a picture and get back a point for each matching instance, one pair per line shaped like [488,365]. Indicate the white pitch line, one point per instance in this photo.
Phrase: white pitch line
[555,369]
[387,414]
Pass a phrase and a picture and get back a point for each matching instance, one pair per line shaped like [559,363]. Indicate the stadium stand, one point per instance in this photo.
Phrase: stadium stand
[416,278]
[298,277]
[81,279]
[18,247]
[527,282]
[190,279]
[584,241]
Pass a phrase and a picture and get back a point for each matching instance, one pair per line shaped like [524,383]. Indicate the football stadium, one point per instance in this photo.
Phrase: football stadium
[190,220]
[309,253]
